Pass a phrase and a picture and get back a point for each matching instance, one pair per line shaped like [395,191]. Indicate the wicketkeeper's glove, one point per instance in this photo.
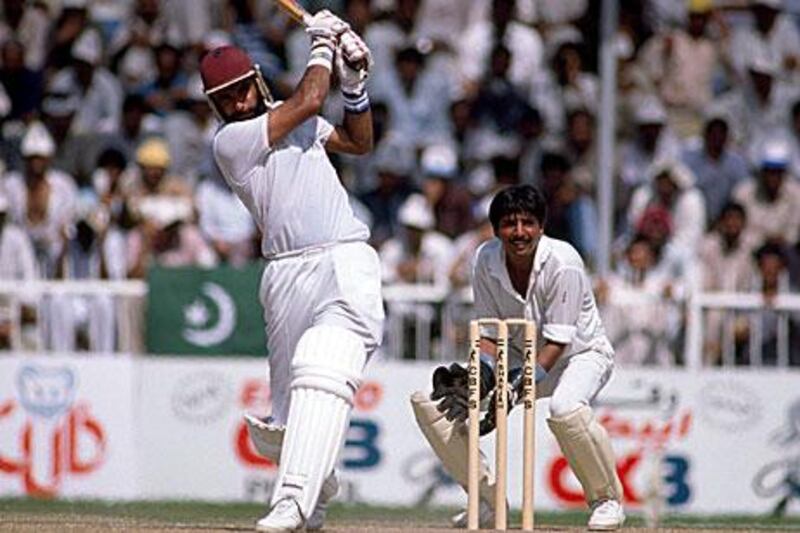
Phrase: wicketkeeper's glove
[514,392]
[451,386]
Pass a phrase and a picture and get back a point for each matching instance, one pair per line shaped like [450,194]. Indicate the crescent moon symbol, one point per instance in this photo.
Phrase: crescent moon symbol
[226,323]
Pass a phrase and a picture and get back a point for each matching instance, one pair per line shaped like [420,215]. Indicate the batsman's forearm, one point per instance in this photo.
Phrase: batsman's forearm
[358,127]
[313,88]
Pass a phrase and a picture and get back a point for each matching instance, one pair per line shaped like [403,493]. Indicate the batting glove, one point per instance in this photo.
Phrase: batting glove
[355,51]
[324,29]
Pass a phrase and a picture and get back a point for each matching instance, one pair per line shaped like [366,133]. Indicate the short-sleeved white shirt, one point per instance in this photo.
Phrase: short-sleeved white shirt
[291,188]
[560,298]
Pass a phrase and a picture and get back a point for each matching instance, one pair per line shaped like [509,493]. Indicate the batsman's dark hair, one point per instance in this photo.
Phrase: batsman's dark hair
[515,200]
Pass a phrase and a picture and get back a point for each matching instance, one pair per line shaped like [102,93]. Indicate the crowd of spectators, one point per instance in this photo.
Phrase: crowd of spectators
[105,132]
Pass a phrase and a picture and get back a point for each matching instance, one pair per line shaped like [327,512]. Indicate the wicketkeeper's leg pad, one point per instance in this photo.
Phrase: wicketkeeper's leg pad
[450,442]
[326,371]
[587,448]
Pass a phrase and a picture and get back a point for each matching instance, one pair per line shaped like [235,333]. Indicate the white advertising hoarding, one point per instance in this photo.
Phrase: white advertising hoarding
[711,442]
[66,427]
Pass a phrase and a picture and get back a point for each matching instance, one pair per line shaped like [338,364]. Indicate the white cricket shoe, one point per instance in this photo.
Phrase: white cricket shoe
[330,487]
[607,515]
[485,517]
[284,516]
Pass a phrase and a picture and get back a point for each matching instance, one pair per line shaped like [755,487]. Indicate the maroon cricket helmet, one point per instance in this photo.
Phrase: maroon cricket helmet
[224,66]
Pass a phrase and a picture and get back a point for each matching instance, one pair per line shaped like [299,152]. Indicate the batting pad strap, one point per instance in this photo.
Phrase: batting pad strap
[356,103]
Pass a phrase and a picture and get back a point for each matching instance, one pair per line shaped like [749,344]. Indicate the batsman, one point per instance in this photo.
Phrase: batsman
[522,273]
[321,283]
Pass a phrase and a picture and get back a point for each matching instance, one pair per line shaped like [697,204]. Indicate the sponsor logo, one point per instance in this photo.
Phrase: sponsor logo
[201,397]
[52,436]
[729,405]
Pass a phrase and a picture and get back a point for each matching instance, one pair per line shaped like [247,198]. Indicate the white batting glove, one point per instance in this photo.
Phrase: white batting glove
[324,28]
[351,78]
[327,25]
[355,50]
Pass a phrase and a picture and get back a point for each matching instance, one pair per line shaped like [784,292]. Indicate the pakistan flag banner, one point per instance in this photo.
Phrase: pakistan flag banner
[196,311]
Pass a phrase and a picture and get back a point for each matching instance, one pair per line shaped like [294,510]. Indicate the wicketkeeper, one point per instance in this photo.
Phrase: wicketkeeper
[521,273]
[321,284]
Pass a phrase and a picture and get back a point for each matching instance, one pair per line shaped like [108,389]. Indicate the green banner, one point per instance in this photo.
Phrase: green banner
[196,311]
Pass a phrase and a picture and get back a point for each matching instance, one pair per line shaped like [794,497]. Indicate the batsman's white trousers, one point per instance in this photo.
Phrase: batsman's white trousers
[337,285]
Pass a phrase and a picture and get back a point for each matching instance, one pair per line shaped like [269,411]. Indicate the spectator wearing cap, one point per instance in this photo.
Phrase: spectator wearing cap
[42,199]
[418,254]
[99,91]
[222,217]
[652,141]
[726,264]
[17,263]
[502,27]
[716,166]
[189,131]
[567,84]
[417,98]
[672,186]
[27,23]
[451,204]
[681,64]
[771,200]
[23,85]
[152,178]
[395,167]
[167,237]
[773,33]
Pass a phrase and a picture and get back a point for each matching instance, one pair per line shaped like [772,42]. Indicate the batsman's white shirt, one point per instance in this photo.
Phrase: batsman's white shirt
[320,270]
[561,302]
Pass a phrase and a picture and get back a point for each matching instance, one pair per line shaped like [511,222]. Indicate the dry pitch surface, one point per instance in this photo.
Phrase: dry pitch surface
[91,517]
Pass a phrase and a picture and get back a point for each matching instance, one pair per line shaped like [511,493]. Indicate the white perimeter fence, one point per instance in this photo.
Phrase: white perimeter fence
[429,323]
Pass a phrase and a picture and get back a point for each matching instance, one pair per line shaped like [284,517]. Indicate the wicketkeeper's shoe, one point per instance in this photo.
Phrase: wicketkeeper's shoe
[485,517]
[284,516]
[330,487]
[607,515]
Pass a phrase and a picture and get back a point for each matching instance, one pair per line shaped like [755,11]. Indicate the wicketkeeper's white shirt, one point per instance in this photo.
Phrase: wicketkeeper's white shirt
[560,298]
[291,188]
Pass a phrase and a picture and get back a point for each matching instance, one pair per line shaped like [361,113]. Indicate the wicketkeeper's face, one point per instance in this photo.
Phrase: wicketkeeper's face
[519,233]
[239,101]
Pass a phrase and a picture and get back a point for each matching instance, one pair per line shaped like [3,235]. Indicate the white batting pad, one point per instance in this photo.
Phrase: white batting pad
[586,446]
[326,371]
[450,442]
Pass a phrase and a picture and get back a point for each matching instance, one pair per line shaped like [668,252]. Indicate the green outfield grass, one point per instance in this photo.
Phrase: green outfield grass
[243,514]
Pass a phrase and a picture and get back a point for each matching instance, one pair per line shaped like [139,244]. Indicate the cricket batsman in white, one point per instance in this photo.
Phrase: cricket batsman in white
[321,284]
[522,273]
